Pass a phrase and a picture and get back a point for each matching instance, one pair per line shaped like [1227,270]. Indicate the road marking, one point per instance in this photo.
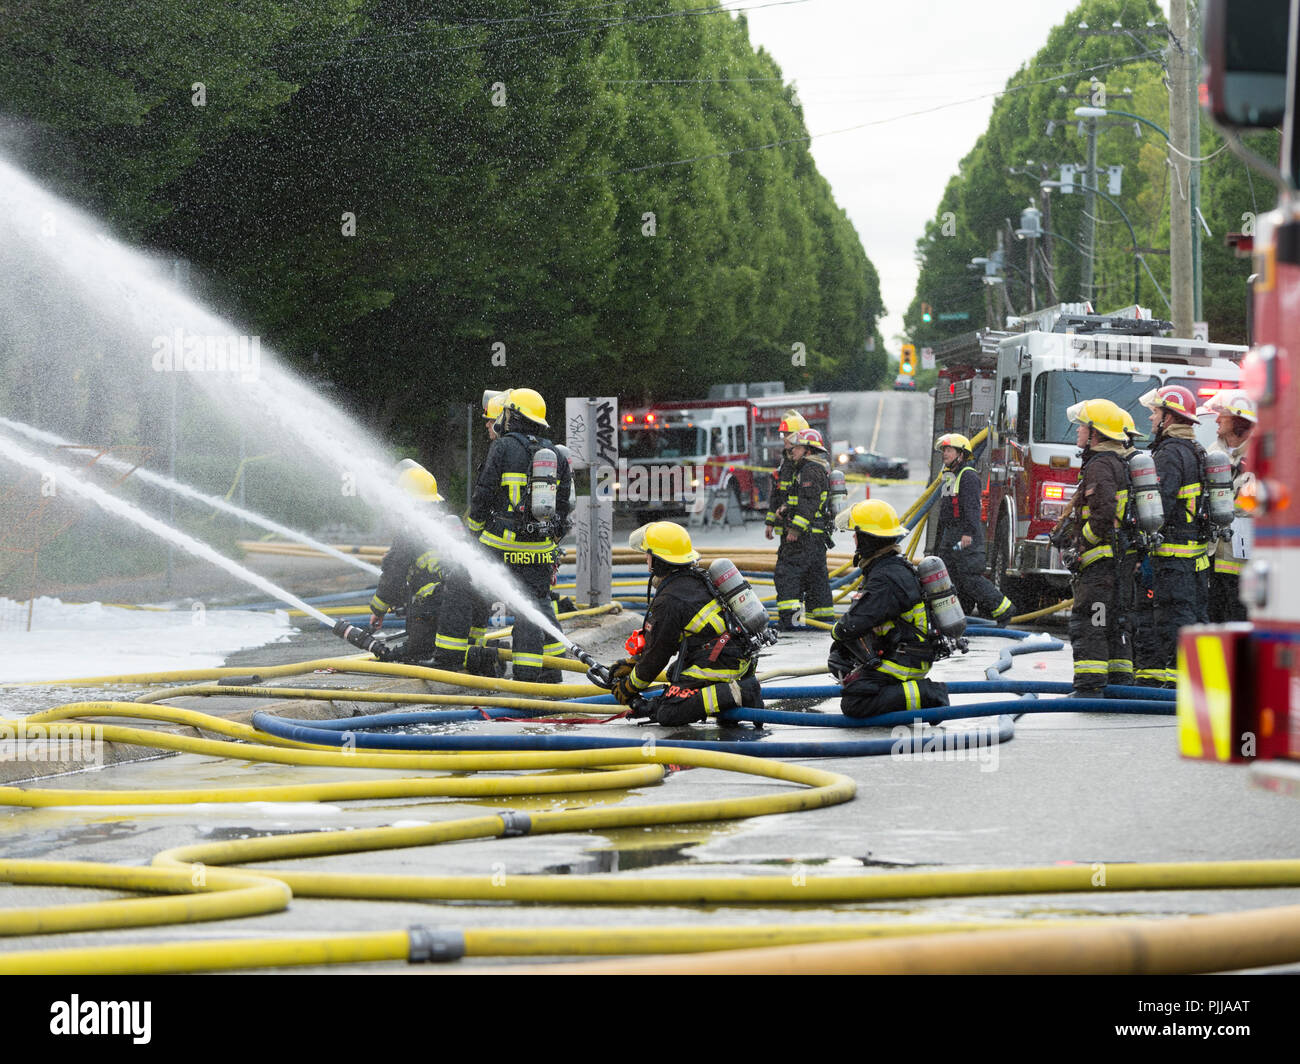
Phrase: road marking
[875,435]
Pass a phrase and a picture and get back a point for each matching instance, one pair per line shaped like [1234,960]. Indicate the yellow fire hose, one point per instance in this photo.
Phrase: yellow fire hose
[1173,946]
[190,869]
[241,953]
[1064,605]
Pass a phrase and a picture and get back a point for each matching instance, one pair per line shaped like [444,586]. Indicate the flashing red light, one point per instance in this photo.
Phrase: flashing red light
[628,418]
[952,388]
[649,419]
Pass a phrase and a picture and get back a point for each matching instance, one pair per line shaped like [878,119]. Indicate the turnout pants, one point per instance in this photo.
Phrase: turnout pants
[873,693]
[421,628]
[966,570]
[685,705]
[800,575]
[529,641]
[1099,632]
[1174,583]
[462,624]
[1225,604]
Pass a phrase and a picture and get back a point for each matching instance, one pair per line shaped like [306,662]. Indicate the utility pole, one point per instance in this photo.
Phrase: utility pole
[1181,253]
[1194,150]
[1090,214]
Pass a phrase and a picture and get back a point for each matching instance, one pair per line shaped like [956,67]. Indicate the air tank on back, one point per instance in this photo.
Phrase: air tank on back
[545,477]
[1147,505]
[739,596]
[839,491]
[939,595]
[1218,490]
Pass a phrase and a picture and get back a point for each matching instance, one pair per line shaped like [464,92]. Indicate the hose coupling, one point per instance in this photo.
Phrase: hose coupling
[438,945]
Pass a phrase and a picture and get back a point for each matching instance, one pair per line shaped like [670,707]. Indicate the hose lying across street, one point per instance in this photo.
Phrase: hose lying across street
[247,877]
[228,879]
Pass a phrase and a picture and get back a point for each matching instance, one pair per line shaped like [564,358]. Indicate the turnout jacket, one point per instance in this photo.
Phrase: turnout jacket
[807,506]
[410,572]
[501,506]
[1178,459]
[891,615]
[685,619]
[780,490]
[1231,551]
[959,507]
[1101,500]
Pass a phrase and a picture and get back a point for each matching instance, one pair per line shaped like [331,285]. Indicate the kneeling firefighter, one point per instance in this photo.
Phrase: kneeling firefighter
[960,540]
[884,646]
[412,575]
[691,615]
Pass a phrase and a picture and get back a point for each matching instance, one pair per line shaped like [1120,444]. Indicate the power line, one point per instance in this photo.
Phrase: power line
[861,125]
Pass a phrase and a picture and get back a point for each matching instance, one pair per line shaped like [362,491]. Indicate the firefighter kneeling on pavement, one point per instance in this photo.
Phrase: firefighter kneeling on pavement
[1099,635]
[961,530]
[412,575]
[883,647]
[800,572]
[713,671]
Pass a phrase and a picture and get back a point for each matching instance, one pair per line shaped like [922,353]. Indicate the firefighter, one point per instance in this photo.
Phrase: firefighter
[1237,417]
[506,513]
[790,426]
[882,649]
[1133,589]
[493,415]
[1099,636]
[800,573]
[712,671]
[1179,565]
[961,530]
[412,575]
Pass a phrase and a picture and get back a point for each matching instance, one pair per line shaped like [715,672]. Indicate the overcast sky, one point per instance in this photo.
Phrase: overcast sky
[858,61]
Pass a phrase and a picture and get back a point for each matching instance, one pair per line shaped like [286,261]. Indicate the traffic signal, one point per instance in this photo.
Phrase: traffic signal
[925,312]
[907,360]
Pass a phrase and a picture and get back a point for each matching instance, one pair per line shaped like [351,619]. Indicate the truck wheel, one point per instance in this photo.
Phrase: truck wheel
[1002,548]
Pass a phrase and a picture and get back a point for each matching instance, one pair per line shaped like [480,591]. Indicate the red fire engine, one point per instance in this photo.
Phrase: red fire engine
[1239,685]
[1019,383]
[670,452]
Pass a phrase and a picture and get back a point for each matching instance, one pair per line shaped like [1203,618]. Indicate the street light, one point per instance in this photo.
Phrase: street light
[1196,218]
[1103,112]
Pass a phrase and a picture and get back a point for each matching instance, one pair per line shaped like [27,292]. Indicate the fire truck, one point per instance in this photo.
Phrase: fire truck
[1019,383]
[672,454]
[1239,684]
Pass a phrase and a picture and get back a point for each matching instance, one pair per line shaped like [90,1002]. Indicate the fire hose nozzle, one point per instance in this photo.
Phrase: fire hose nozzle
[596,672]
[362,639]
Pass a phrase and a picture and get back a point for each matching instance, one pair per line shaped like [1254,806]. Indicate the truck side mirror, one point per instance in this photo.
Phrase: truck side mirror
[1245,52]
[1010,410]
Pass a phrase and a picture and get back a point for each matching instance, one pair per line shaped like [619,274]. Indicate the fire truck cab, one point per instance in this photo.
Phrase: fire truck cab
[1019,383]
[673,454]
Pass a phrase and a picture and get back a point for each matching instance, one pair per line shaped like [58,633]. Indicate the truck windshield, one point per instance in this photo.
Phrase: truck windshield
[1057,390]
[649,443]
